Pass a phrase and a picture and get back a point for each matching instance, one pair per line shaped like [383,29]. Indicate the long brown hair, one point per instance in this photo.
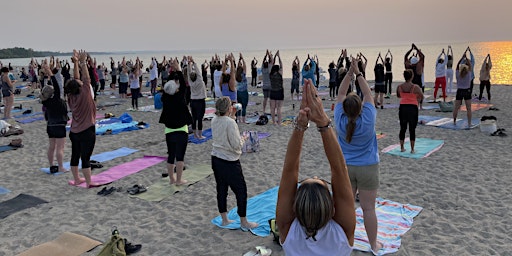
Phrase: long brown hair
[313,207]
[352,108]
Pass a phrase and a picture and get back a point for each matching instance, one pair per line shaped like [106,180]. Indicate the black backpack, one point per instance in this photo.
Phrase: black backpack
[263,120]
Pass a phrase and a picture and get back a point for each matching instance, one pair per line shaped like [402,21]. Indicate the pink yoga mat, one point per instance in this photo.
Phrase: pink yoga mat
[123,170]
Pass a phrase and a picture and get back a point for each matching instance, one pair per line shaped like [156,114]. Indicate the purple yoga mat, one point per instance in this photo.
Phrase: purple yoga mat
[123,170]
[262,135]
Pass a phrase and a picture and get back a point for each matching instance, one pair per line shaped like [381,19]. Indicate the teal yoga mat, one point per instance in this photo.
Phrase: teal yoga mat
[423,147]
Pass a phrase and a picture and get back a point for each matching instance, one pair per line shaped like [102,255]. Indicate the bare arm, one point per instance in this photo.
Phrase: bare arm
[232,74]
[363,84]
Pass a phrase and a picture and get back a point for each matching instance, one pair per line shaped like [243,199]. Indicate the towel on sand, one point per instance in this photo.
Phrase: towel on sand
[19,203]
[67,244]
[423,147]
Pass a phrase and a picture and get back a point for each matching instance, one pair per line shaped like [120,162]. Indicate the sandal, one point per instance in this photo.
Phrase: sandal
[260,251]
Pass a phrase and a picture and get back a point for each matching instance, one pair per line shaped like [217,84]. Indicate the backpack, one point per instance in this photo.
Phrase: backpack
[446,106]
[252,143]
[115,247]
[263,120]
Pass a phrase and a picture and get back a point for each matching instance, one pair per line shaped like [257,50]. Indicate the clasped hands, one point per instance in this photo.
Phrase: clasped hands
[311,107]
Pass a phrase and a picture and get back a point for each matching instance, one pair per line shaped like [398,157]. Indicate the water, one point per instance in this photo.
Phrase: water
[501,55]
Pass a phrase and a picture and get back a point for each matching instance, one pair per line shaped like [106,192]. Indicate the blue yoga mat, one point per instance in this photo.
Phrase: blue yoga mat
[260,209]
[206,133]
[462,124]
[30,120]
[423,147]
[102,157]
[4,190]
[6,148]
[27,115]
[118,127]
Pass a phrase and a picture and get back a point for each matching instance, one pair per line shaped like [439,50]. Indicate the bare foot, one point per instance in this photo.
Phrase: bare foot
[412,151]
[375,251]
[248,225]
[172,181]
[79,181]
[225,223]
[202,138]
[402,150]
[182,182]
[63,169]
[93,185]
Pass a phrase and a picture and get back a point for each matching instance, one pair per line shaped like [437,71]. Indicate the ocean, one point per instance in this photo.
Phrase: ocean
[501,56]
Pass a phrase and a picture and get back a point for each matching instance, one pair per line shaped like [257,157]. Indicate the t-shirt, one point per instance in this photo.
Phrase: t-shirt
[265,73]
[362,150]
[227,143]
[463,82]
[217,74]
[83,109]
[242,86]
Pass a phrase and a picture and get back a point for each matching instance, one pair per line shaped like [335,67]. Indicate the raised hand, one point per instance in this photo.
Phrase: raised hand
[316,111]
[82,56]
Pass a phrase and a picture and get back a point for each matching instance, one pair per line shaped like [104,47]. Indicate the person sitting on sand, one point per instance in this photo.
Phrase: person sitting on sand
[409,94]
[463,76]
[197,97]
[485,77]
[355,125]
[176,118]
[226,151]
[83,127]
[56,115]
[311,220]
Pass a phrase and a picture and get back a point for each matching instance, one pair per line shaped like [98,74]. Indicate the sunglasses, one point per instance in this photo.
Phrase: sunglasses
[316,178]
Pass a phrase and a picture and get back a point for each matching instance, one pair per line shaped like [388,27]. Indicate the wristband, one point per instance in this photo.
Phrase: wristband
[299,127]
[325,128]
[358,75]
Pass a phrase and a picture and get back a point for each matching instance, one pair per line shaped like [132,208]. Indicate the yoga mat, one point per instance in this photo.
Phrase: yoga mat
[391,106]
[428,107]
[4,191]
[102,157]
[17,110]
[394,220]
[19,203]
[262,135]
[461,124]
[475,106]
[6,148]
[21,99]
[30,120]
[260,209]
[162,189]
[423,146]
[206,133]
[123,170]
[67,244]
[425,119]
[27,115]
[118,127]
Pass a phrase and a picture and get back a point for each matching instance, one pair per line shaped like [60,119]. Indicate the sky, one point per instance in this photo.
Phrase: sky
[127,25]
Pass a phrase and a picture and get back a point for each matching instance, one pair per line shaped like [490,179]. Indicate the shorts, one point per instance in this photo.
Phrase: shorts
[380,88]
[266,93]
[56,131]
[463,94]
[364,177]
[277,95]
[123,88]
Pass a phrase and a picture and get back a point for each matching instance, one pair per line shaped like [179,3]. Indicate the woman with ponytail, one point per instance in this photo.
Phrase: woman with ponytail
[355,125]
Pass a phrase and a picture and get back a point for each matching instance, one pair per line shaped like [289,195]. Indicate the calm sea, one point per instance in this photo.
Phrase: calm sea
[501,55]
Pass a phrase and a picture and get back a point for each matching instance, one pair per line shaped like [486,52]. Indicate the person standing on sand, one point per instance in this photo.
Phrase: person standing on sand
[135,84]
[388,81]
[217,74]
[440,75]
[295,84]
[380,85]
[254,72]
[242,95]
[153,75]
[7,88]
[308,70]
[449,69]
[312,220]
[472,69]
[268,62]
[197,97]
[333,74]
[227,79]
[317,71]
[56,115]
[485,77]
[204,72]
[463,75]
[361,64]
[416,64]
[409,94]
[83,127]
[226,150]
[124,78]
[355,125]
[277,90]
[176,118]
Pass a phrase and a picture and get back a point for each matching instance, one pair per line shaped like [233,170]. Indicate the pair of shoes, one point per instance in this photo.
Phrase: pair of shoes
[130,248]
[260,251]
[106,192]
[95,164]
[137,189]
[165,175]
[500,133]
[54,169]
[493,108]
[108,132]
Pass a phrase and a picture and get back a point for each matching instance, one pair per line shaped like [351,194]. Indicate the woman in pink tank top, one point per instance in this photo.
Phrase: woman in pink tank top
[410,95]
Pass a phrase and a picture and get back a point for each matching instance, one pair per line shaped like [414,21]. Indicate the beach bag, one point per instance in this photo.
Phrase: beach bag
[114,247]
[263,120]
[252,143]
[446,106]
[488,124]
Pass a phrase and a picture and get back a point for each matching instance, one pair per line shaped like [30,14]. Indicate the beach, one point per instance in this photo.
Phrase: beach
[463,188]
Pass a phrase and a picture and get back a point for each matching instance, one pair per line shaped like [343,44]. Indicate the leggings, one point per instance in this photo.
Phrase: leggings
[198,107]
[82,145]
[135,97]
[388,80]
[449,80]
[440,81]
[487,85]
[408,114]
[243,98]
[228,174]
[332,90]
[176,146]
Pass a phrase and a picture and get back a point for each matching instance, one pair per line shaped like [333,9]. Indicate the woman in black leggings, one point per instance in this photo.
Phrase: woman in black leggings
[410,94]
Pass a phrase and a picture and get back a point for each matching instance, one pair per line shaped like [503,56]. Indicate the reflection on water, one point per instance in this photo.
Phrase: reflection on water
[501,55]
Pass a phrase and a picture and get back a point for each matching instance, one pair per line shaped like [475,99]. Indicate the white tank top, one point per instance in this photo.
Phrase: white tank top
[330,240]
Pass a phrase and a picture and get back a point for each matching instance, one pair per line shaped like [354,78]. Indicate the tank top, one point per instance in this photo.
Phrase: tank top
[388,67]
[6,89]
[276,81]
[408,98]
[330,240]
[242,85]
[449,63]
[227,92]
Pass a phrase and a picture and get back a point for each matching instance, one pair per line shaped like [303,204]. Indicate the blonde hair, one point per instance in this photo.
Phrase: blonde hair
[222,106]
[352,108]
[313,207]
[463,70]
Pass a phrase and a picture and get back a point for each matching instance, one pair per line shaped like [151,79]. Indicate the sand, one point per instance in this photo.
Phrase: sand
[464,188]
